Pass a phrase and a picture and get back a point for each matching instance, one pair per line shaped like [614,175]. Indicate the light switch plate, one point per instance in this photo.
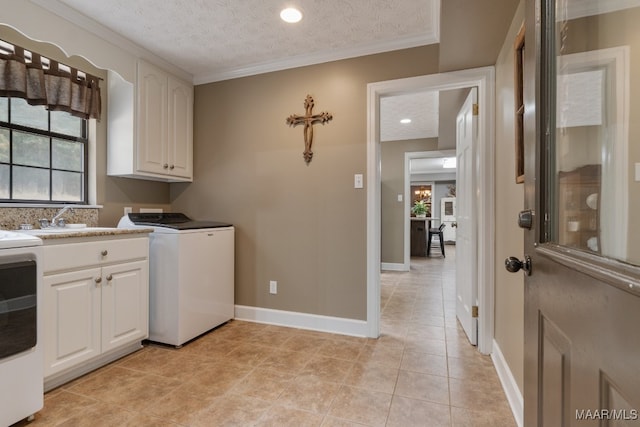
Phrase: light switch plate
[637,172]
[357,181]
[399,197]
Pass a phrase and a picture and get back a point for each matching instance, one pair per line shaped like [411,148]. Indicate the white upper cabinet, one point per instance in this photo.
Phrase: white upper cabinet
[180,132]
[150,126]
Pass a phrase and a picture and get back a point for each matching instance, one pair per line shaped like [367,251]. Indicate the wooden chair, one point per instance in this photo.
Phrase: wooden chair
[436,232]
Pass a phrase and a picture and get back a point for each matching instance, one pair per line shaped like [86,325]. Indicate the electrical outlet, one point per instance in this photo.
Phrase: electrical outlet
[128,210]
[273,287]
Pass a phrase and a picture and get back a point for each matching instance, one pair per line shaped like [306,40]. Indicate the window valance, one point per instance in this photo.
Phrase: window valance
[41,81]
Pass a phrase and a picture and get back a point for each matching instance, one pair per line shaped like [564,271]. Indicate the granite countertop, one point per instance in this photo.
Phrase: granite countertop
[84,232]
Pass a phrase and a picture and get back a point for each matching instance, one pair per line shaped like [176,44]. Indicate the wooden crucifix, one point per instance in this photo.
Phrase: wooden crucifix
[308,120]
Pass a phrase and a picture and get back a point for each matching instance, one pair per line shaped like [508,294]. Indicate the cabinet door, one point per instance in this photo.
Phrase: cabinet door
[71,319]
[180,136]
[125,304]
[151,119]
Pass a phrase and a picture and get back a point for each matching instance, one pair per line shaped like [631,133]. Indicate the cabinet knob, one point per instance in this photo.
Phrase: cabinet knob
[165,166]
[98,280]
[109,278]
[105,252]
[171,167]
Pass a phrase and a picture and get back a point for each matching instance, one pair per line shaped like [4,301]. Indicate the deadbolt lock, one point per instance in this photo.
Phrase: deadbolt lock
[525,219]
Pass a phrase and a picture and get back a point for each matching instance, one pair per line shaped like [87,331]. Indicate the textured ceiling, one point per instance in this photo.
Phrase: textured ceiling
[421,108]
[218,39]
[214,40]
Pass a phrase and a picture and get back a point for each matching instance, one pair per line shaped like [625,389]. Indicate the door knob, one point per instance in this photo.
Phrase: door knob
[513,265]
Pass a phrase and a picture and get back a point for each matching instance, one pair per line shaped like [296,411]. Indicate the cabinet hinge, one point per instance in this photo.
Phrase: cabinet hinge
[475,109]
[474,311]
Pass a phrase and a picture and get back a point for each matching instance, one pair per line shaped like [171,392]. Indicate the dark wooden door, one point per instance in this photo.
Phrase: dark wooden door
[582,297]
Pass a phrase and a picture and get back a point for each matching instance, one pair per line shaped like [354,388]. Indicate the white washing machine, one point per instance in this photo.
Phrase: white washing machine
[191,275]
[21,357]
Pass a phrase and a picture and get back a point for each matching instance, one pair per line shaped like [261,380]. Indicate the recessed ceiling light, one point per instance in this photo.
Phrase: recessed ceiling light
[405,121]
[291,15]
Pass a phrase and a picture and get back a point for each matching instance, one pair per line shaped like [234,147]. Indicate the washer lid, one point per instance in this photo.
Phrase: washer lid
[13,239]
[173,220]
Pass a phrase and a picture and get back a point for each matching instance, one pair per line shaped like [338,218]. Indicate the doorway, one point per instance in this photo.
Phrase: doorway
[483,79]
[424,176]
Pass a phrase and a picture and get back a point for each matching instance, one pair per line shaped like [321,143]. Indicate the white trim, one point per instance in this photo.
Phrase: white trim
[484,79]
[292,319]
[509,385]
[92,166]
[394,266]
[582,8]
[313,59]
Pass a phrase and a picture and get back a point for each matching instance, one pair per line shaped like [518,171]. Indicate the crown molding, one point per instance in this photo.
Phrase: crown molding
[313,59]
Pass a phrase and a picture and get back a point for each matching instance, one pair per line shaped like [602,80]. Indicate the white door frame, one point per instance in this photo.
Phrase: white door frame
[484,79]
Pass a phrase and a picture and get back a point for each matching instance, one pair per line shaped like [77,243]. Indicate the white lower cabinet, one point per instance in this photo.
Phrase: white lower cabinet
[94,304]
[72,319]
[125,302]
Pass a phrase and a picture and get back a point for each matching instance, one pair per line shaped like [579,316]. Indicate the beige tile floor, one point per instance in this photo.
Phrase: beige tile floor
[421,372]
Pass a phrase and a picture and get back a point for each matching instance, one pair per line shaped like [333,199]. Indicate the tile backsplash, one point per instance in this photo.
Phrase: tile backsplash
[11,218]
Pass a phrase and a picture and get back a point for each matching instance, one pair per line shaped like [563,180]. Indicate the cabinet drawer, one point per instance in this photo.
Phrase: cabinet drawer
[85,254]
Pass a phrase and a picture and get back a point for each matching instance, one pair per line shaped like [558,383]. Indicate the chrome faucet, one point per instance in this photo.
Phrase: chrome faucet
[55,222]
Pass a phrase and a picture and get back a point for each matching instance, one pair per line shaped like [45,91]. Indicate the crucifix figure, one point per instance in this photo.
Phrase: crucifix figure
[308,120]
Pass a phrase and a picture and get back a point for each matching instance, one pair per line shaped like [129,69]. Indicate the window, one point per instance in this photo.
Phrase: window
[43,154]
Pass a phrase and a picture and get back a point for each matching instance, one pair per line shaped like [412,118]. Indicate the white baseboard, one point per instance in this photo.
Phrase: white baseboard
[514,396]
[393,266]
[292,319]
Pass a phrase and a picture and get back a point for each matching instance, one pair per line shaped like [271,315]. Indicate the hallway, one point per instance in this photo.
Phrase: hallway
[442,379]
